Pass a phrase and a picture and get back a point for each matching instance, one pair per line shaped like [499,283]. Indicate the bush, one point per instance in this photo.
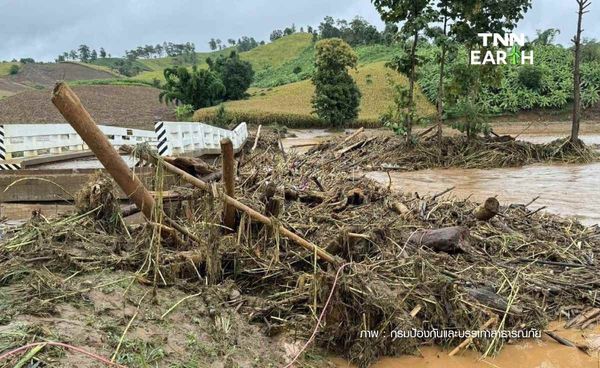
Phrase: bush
[530,76]
[184,112]
[14,69]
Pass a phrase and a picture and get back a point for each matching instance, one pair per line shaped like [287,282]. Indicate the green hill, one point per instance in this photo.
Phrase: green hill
[290,104]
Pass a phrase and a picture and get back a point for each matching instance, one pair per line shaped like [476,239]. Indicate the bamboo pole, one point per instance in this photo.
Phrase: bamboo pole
[466,342]
[322,254]
[69,105]
[228,181]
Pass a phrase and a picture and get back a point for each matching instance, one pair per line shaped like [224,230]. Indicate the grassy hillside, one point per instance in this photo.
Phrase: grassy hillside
[5,68]
[295,98]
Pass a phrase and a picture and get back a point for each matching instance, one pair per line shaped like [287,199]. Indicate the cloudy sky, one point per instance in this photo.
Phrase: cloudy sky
[42,29]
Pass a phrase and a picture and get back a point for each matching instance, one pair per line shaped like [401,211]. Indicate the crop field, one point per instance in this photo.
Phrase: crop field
[295,98]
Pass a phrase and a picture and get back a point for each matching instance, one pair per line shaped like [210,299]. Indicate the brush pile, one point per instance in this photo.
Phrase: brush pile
[385,152]
[521,269]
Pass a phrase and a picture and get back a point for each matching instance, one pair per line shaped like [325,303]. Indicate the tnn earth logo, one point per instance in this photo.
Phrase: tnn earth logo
[512,55]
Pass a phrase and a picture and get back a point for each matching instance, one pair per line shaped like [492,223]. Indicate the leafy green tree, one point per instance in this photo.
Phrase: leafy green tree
[276,34]
[237,75]
[93,56]
[102,53]
[463,20]
[84,53]
[73,55]
[546,37]
[337,97]
[212,44]
[199,88]
[416,15]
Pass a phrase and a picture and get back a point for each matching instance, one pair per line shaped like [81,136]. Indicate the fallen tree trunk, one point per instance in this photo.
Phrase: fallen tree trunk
[487,210]
[449,239]
[191,165]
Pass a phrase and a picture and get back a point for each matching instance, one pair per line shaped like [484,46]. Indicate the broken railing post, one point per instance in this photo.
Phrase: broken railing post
[69,105]
[228,181]
[283,231]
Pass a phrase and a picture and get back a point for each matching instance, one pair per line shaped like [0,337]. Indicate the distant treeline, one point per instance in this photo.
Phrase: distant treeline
[355,32]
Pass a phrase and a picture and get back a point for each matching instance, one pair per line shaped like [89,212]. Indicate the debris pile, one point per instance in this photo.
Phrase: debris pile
[386,152]
[409,261]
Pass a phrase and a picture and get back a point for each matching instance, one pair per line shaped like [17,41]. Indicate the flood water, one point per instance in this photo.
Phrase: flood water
[570,190]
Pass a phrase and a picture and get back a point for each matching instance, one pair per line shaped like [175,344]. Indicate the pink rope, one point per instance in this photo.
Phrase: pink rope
[51,343]
[312,337]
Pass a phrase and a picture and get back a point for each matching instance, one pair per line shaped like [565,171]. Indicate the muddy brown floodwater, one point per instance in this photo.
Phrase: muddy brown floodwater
[569,190]
[544,353]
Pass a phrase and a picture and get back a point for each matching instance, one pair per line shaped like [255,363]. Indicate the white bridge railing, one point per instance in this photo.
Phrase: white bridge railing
[22,141]
[176,139]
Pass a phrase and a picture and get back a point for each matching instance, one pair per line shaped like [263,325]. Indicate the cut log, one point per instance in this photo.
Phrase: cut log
[356,197]
[305,196]
[191,165]
[449,239]
[399,207]
[487,210]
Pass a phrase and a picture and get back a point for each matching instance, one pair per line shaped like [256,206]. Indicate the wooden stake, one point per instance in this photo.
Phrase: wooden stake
[228,181]
[322,254]
[256,139]
[463,344]
[69,105]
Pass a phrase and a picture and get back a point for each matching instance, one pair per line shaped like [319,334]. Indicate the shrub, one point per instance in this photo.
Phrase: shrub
[184,112]
[14,69]
[530,76]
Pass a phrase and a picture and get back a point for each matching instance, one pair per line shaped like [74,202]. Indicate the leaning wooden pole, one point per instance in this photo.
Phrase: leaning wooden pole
[228,181]
[69,105]
[321,253]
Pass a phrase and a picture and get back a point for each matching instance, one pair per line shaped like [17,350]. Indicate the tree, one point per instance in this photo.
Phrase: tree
[65,55]
[582,9]
[337,97]
[84,53]
[546,37]
[237,75]
[73,55]
[246,44]
[94,55]
[231,42]
[327,28]
[199,88]
[276,34]
[416,15]
[212,44]
[102,53]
